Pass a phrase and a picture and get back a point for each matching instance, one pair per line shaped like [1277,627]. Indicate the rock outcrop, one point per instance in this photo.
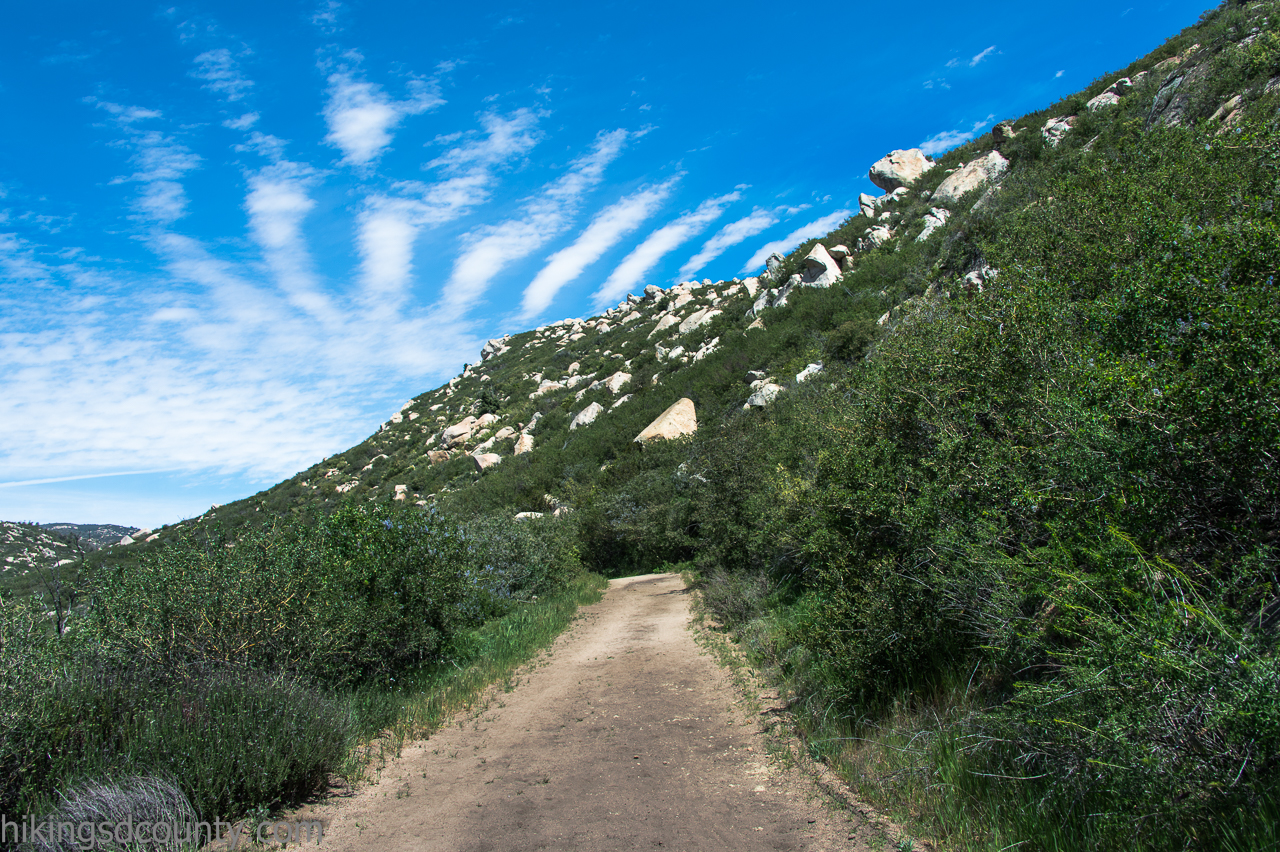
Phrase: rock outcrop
[899,169]
[766,393]
[1055,128]
[1111,96]
[821,269]
[772,264]
[681,418]
[697,319]
[964,180]
[876,236]
[1173,99]
[483,461]
[494,347]
[586,416]
[933,220]
[1002,133]
[808,372]
[457,434]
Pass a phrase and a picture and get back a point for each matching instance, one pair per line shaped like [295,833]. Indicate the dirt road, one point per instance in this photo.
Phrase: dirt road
[628,737]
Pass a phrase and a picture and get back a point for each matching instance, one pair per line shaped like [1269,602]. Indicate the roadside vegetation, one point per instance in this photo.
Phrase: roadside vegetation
[251,674]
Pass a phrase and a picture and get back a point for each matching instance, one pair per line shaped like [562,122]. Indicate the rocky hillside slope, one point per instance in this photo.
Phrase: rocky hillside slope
[93,535]
[25,549]
[531,399]
[545,405]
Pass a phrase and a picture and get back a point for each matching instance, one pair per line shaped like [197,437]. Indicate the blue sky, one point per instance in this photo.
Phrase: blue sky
[234,237]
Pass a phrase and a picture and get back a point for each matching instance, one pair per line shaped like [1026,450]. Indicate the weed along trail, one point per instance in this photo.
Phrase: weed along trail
[626,736]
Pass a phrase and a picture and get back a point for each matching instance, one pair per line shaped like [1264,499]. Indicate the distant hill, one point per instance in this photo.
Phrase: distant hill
[99,535]
[26,548]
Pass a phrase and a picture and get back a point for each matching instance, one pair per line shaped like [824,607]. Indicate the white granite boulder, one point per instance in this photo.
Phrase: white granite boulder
[665,323]
[808,372]
[679,419]
[698,318]
[586,416]
[877,236]
[977,173]
[616,382]
[899,168]
[821,269]
[484,461]
[764,395]
[457,434]
[933,220]
[1055,128]
[494,347]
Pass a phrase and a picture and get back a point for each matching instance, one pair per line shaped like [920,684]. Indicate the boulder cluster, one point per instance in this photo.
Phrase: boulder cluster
[672,324]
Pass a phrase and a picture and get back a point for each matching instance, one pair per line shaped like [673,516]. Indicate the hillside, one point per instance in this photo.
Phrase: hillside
[93,535]
[986,479]
[718,343]
[25,549]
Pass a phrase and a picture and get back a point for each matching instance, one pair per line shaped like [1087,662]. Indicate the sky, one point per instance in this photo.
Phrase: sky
[235,237]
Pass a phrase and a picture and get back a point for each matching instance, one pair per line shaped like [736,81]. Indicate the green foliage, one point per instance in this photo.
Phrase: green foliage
[1065,488]
[1013,550]
[361,595]
[233,739]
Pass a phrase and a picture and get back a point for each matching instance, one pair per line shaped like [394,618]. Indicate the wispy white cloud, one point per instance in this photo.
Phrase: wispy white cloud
[816,228]
[69,55]
[264,144]
[981,56]
[213,361]
[390,222]
[325,18]
[221,73]
[605,231]
[636,265]
[244,122]
[489,250]
[1060,73]
[386,231]
[18,260]
[948,139]
[160,162]
[730,235]
[506,137]
[361,116]
[277,203]
[78,477]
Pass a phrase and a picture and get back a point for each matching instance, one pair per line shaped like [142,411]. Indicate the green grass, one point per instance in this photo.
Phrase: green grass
[487,655]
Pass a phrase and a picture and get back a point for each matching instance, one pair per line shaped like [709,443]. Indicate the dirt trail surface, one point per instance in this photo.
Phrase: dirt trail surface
[627,737]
